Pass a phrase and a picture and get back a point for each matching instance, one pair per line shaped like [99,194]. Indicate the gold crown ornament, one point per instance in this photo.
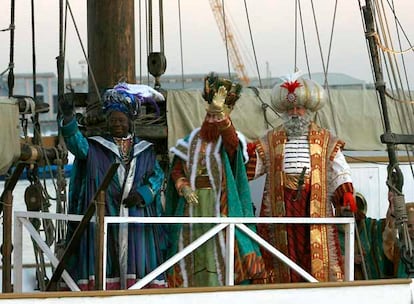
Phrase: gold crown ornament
[220,94]
[298,92]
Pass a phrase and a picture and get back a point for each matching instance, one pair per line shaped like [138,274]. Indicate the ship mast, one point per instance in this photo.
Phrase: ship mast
[111,49]
[395,177]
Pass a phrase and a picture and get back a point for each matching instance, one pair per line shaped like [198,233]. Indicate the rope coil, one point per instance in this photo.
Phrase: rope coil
[400,210]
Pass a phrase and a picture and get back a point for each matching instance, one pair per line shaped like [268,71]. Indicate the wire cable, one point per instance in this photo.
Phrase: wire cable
[223,16]
[181,43]
[253,47]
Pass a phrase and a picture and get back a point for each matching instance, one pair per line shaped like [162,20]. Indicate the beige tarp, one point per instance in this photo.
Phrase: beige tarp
[9,133]
[354,115]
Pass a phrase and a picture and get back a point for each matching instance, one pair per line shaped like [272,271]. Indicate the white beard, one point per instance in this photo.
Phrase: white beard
[296,125]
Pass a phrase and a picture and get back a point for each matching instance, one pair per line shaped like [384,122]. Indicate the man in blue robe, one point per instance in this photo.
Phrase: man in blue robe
[133,250]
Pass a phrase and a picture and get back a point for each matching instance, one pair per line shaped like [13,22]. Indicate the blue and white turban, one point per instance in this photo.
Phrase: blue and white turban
[128,98]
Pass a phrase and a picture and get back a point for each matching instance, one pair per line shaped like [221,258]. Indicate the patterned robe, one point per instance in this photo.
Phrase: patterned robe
[225,194]
[133,250]
[376,263]
[314,247]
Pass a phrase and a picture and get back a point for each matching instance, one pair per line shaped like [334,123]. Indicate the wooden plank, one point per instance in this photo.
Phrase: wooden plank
[170,291]
[47,141]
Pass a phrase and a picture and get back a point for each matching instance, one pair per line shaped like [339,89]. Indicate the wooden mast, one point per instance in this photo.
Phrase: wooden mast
[395,175]
[111,48]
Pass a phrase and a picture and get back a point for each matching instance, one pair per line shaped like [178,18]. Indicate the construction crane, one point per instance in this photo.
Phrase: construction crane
[229,39]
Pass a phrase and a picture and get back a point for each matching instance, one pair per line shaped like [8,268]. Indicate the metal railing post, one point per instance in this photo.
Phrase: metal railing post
[18,255]
[7,208]
[230,242]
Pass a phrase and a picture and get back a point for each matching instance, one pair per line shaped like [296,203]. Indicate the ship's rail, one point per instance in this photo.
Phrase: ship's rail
[228,223]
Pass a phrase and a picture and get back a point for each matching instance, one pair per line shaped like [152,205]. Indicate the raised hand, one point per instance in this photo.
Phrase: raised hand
[219,99]
[67,109]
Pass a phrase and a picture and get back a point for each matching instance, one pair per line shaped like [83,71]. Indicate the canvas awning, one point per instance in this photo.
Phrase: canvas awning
[354,115]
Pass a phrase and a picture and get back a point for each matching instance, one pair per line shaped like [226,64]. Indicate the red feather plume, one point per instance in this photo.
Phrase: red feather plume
[291,86]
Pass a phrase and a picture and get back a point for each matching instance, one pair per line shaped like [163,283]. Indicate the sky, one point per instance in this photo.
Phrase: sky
[272,24]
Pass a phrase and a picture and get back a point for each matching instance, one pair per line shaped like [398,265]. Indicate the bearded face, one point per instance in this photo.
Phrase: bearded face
[296,125]
[209,131]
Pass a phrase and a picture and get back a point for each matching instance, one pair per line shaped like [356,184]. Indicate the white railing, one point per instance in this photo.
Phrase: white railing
[228,223]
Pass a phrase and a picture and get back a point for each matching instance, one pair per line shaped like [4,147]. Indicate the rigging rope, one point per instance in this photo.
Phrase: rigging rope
[140,41]
[318,38]
[391,66]
[331,39]
[37,140]
[295,60]
[91,73]
[398,100]
[264,107]
[391,57]
[148,29]
[389,50]
[150,40]
[398,29]
[63,25]
[181,43]
[402,56]
[396,76]
[324,67]
[35,118]
[253,47]
[10,76]
[304,39]
[223,15]
[408,148]
[10,28]
[161,19]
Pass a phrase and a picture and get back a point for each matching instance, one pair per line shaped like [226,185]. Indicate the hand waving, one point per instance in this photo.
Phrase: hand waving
[67,108]
[219,99]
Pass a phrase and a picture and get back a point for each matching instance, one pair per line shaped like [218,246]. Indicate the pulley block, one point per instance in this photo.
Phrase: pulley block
[33,197]
[157,64]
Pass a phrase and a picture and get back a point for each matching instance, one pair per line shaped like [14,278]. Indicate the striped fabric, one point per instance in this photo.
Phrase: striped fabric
[298,235]
[297,155]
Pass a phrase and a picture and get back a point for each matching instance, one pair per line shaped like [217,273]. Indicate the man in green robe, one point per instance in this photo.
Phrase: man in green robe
[208,179]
